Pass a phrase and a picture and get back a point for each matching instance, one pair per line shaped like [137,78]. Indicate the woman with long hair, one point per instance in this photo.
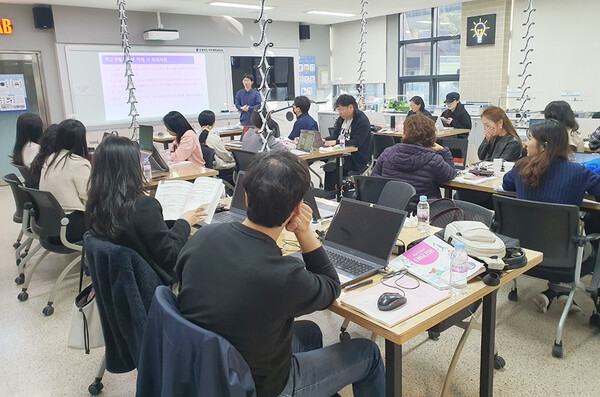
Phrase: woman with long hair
[547,175]
[29,131]
[47,142]
[186,146]
[119,211]
[561,111]
[501,140]
[417,106]
[66,172]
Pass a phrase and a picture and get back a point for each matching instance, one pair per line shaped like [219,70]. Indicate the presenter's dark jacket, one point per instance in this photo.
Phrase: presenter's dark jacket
[460,117]
[235,282]
[250,98]
[304,122]
[360,136]
[149,236]
[505,147]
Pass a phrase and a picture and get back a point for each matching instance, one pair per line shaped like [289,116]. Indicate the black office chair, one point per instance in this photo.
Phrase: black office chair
[50,225]
[23,170]
[242,160]
[458,147]
[20,198]
[368,166]
[553,229]
[396,194]
[369,188]
[208,154]
[380,143]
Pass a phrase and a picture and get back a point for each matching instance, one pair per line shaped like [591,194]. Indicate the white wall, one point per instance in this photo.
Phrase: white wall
[566,54]
[345,46]
[318,46]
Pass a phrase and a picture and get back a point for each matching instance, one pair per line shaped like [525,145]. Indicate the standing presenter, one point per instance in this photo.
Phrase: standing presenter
[247,100]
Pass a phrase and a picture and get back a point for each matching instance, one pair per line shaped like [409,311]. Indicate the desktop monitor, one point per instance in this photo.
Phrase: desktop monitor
[146,137]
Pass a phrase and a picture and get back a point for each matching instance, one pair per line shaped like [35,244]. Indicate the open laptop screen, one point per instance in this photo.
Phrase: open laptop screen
[146,135]
[238,200]
[366,227]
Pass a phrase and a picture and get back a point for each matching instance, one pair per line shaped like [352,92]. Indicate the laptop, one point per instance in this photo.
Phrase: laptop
[320,210]
[308,140]
[149,149]
[237,209]
[361,238]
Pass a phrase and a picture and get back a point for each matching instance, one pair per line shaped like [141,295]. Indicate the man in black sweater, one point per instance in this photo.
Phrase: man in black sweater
[236,283]
[356,128]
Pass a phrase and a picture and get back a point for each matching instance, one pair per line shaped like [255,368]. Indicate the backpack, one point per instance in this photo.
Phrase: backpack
[479,242]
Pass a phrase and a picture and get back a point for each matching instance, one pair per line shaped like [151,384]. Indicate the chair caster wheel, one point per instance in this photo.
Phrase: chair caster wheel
[95,388]
[433,335]
[595,320]
[18,262]
[344,336]
[499,362]
[20,279]
[23,296]
[16,245]
[48,310]
[557,350]
[512,296]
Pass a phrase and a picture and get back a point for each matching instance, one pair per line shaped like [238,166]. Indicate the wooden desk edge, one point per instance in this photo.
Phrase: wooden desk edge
[421,322]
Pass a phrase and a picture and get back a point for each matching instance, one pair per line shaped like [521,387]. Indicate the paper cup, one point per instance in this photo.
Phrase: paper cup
[497,166]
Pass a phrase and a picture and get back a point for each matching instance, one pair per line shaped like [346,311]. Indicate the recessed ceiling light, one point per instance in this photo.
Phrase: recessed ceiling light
[238,5]
[331,13]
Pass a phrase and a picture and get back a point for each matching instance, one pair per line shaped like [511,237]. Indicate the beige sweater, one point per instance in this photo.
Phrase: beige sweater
[30,150]
[67,180]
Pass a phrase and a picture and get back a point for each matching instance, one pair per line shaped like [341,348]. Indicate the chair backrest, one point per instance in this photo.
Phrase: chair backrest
[19,196]
[396,194]
[242,159]
[48,214]
[458,147]
[380,143]
[179,358]
[369,188]
[544,227]
[443,211]
[475,212]
[23,170]
[208,154]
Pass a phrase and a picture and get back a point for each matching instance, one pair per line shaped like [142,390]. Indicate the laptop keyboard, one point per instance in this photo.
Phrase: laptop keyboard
[348,265]
[228,217]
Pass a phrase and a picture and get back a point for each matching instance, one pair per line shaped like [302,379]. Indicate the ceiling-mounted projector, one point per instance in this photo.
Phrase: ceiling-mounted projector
[159,33]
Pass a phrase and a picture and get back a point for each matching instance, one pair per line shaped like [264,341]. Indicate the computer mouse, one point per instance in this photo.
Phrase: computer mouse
[390,301]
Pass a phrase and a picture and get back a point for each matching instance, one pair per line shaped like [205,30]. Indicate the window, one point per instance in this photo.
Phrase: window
[429,52]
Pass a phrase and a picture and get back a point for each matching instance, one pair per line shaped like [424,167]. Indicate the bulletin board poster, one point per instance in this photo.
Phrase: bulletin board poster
[308,75]
[13,97]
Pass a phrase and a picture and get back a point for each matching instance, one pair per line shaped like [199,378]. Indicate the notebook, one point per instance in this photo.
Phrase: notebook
[361,237]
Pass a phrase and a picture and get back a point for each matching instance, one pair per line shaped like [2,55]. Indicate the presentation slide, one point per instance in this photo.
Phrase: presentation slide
[163,82]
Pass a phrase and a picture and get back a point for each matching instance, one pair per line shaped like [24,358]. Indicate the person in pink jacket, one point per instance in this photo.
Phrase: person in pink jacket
[186,146]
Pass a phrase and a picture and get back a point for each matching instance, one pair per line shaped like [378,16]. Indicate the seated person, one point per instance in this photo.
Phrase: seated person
[501,139]
[304,121]
[66,173]
[265,291]
[547,175]
[561,111]
[417,106]
[47,142]
[253,142]
[456,115]
[418,160]
[356,127]
[117,209]
[223,157]
[29,131]
[186,146]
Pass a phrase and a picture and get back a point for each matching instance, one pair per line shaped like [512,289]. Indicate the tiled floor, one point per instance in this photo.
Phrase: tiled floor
[35,361]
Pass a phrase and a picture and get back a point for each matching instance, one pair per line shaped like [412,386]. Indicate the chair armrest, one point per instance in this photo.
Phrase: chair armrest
[583,240]
[64,222]
[27,206]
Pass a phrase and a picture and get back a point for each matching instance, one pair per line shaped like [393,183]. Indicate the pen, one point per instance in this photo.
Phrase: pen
[358,285]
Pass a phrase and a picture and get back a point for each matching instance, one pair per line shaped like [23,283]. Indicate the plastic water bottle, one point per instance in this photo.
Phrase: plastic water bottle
[423,216]
[459,264]
[168,159]
[343,140]
[439,126]
[147,169]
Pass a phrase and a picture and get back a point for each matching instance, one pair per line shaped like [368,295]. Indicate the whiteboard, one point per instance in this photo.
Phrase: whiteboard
[185,79]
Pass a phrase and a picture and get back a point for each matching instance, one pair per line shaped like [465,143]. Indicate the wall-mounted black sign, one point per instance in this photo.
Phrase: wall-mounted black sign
[481,30]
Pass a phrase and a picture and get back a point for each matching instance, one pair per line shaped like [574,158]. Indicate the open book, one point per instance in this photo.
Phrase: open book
[430,261]
[417,300]
[177,197]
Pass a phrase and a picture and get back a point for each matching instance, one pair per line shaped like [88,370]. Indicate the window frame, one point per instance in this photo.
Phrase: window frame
[433,78]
